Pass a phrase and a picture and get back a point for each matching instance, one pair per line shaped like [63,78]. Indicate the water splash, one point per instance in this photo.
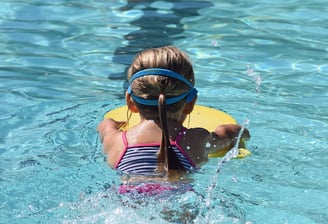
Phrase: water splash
[214,43]
[233,153]
[257,79]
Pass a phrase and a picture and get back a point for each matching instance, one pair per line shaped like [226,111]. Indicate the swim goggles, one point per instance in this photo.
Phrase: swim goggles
[189,95]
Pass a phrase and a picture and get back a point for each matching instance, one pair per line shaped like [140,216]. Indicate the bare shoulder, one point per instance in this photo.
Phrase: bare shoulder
[111,138]
[109,126]
[198,138]
[194,143]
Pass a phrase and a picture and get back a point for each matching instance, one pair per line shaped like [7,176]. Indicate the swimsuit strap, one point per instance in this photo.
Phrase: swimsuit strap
[180,135]
[125,140]
[190,94]
[126,144]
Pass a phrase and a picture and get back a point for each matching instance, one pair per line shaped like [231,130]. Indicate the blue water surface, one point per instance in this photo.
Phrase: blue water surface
[62,66]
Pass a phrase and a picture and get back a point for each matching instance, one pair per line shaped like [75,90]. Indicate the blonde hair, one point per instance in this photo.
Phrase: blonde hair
[151,86]
[161,87]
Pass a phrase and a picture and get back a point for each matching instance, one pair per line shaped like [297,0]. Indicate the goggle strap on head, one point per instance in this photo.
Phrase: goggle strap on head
[190,94]
[162,72]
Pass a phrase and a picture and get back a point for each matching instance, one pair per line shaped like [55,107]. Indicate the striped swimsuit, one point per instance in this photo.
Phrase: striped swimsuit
[142,158]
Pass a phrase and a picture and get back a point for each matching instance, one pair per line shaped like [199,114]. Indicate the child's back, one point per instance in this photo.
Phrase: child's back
[161,89]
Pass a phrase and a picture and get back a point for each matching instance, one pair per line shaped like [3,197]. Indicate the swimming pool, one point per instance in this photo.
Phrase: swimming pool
[62,67]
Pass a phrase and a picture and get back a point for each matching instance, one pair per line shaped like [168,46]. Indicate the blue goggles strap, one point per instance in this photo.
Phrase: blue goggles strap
[190,94]
[162,72]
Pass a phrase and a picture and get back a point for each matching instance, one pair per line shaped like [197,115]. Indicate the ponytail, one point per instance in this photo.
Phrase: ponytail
[163,163]
[167,159]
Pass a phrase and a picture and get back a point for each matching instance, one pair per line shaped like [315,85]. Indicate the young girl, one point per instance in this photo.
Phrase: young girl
[161,89]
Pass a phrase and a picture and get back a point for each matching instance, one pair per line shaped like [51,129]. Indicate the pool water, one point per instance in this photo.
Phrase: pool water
[63,66]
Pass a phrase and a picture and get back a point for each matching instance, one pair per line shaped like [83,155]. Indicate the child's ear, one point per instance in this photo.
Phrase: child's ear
[130,103]
[190,106]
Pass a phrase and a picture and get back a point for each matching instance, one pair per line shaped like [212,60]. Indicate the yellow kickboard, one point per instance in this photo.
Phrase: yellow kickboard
[201,116]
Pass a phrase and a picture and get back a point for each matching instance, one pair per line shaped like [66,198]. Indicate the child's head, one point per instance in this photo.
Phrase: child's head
[163,70]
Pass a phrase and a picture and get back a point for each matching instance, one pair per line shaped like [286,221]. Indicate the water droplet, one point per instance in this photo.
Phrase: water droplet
[208,145]
[214,43]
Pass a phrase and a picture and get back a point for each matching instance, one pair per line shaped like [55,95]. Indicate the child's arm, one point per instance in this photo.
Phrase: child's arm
[204,142]
[108,127]
[110,136]
[224,138]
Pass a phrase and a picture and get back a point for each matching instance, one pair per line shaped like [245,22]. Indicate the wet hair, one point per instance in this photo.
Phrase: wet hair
[157,87]
[151,86]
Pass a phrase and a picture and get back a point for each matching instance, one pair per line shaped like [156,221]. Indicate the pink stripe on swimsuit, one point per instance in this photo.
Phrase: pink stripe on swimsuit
[142,159]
